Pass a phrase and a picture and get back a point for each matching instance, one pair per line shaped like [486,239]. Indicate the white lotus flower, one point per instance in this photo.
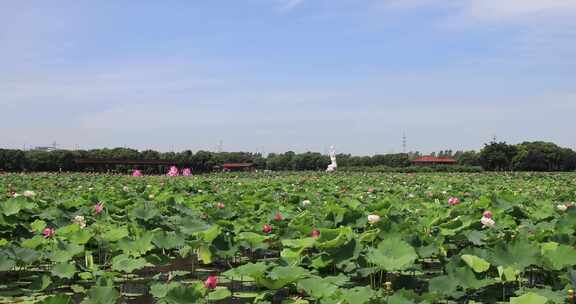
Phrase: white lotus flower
[80,220]
[306,203]
[151,196]
[487,222]
[562,207]
[373,219]
[125,188]
[29,193]
[16,195]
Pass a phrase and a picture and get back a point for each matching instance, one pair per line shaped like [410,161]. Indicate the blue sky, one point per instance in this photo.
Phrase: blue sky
[278,75]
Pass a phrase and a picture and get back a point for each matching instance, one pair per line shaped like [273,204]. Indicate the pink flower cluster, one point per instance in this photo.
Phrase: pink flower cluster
[173,171]
[137,173]
[487,220]
[186,172]
[98,208]
[211,282]
[48,232]
[453,201]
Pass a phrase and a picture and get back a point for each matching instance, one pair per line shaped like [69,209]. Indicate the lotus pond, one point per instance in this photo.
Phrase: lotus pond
[288,238]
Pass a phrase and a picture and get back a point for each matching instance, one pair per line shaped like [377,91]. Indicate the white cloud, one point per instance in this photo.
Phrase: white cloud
[288,5]
[517,9]
[493,10]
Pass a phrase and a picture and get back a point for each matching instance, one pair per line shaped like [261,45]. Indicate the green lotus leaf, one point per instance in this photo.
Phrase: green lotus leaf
[466,278]
[331,238]
[57,299]
[253,270]
[220,293]
[205,254]
[64,252]
[168,240]
[191,226]
[477,264]
[255,240]
[125,263]
[80,237]
[160,290]
[357,295]
[185,294]
[6,263]
[393,254]
[64,270]
[41,283]
[67,230]
[113,234]
[317,288]
[210,234]
[508,274]
[101,295]
[33,243]
[138,246]
[529,298]
[518,254]
[38,225]
[558,256]
[445,285]
[145,212]
[399,299]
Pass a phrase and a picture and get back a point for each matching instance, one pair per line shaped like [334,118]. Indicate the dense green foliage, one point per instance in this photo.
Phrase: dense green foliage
[288,238]
[528,156]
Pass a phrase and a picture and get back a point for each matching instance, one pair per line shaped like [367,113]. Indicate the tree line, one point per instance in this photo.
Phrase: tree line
[494,156]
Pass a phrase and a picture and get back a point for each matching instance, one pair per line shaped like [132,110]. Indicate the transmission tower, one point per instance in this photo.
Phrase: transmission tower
[404,142]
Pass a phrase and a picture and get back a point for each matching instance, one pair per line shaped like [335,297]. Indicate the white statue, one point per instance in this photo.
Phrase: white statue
[332,167]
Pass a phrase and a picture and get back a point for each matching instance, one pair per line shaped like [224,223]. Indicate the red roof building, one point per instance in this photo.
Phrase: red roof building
[433,160]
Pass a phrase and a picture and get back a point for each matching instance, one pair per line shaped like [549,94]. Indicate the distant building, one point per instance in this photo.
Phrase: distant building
[44,149]
[433,160]
[235,167]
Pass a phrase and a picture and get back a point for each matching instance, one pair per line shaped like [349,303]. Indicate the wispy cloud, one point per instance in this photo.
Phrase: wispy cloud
[288,5]
[493,10]
[518,9]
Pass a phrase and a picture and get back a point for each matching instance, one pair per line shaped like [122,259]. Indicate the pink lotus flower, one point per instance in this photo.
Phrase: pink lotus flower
[370,190]
[487,222]
[220,205]
[98,208]
[137,173]
[48,232]
[211,282]
[267,229]
[453,201]
[278,217]
[173,171]
[487,214]
[315,233]
[186,172]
